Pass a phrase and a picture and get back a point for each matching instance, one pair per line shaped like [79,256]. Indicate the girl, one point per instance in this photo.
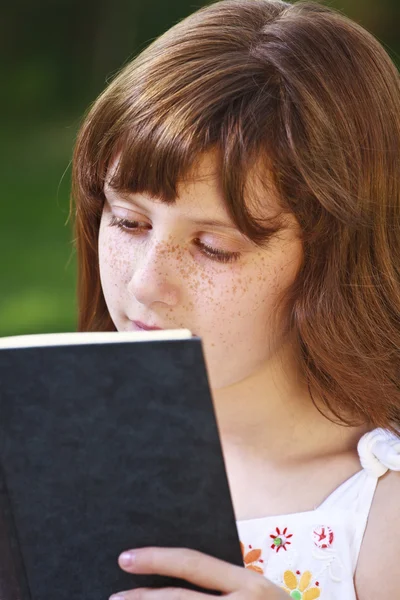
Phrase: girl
[240,178]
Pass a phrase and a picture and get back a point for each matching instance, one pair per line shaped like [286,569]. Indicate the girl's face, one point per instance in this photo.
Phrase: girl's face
[187,266]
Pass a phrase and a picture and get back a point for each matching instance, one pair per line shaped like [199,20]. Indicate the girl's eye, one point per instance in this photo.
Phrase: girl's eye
[212,253]
[217,254]
[124,224]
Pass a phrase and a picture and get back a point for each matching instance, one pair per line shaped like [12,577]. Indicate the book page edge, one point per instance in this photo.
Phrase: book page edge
[92,337]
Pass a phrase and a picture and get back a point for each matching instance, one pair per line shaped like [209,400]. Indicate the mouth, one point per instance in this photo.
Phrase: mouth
[139,326]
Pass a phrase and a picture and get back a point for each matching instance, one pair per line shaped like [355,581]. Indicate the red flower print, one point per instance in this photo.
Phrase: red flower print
[323,536]
[280,540]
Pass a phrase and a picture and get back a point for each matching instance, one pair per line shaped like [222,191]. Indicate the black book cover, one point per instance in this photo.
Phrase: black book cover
[106,447]
[13,583]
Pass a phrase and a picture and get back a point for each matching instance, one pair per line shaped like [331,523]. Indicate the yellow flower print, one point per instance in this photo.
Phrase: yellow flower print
[297,589]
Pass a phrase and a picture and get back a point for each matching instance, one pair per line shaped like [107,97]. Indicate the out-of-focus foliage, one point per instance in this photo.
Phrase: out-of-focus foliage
[58,55]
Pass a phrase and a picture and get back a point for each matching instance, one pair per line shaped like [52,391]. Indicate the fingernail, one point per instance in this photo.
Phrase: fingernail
[126,558]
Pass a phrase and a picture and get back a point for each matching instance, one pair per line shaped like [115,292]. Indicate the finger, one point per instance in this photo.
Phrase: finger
[198,568]
[161,594]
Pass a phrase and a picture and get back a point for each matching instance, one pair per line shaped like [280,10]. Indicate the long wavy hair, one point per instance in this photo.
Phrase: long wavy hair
[314,99]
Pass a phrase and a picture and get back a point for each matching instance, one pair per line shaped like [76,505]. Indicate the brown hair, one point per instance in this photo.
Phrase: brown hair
[315,99]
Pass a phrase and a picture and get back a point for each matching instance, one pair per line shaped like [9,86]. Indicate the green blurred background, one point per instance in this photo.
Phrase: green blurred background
[58,56]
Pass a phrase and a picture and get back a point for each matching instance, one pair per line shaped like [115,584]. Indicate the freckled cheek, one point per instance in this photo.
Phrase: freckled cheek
[244,304]
[115,264]
[215,303]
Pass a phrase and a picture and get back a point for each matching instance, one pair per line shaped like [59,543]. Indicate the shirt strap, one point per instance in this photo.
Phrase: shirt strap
[379,451]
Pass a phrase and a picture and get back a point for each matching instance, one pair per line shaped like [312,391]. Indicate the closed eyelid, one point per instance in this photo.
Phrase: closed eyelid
[216,254]
[225,235]
[209,237]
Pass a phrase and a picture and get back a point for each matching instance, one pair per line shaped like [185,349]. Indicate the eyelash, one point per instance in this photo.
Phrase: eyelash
[212,253]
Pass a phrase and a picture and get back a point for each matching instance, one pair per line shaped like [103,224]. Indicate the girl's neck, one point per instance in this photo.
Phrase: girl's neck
[271,415]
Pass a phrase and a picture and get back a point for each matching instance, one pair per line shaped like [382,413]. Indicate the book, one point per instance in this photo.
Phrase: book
[108,442]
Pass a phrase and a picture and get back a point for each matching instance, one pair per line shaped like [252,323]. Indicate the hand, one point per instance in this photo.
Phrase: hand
[199,569]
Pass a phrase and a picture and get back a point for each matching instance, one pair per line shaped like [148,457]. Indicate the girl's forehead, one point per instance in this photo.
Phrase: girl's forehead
[200,195]
[201,185]
[204,179]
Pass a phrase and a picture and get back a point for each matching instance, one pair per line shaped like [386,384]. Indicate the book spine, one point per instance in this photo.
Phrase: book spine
[13,580]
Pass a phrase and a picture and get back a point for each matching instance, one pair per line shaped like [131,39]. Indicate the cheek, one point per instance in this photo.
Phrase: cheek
[241,293]
[113,264]
[225,303]
[245,303]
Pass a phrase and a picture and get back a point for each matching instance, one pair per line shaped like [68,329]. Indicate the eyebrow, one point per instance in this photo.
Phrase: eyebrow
[204,222]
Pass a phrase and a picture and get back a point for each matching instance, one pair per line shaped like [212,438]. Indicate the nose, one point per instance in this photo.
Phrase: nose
[153,279]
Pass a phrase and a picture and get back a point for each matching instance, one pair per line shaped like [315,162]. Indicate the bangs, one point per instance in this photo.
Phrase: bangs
[156,164]
[176,111]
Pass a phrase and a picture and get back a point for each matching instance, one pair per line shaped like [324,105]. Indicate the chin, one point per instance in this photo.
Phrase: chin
[233,372]
[221,378]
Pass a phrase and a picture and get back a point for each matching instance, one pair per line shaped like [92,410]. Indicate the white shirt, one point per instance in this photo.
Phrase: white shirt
[314,554]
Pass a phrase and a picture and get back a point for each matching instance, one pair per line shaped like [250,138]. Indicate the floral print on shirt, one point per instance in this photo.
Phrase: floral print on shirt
[280,540]
[251,558]
[298,587]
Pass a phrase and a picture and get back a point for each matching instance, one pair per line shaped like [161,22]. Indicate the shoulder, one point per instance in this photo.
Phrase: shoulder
[377,569]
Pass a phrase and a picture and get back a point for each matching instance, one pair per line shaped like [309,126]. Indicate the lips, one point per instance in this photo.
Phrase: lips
[145,327]
[139,326]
